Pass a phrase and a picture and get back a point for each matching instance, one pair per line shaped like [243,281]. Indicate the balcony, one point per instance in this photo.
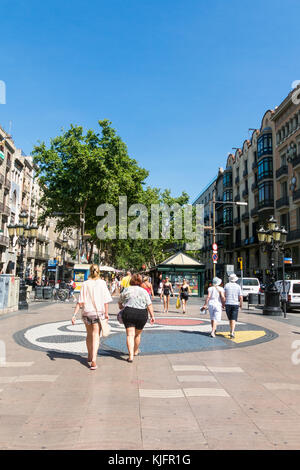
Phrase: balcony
[30,254]
[245,216]
[254,212]
[7,185]
[237,198]
[238,244]
[296,162]
[6,210]
[253,240]
[41,237]
[227,222]
[4,241]
[1,179]
[246,241]
[245,193]
[293,235]
[266,204]
[8,164]
[40,255]
[266,175]
[282,203]
[296,196]
[282,171]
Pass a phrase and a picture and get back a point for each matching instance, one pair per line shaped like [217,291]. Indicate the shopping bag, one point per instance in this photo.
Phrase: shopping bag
[178,302]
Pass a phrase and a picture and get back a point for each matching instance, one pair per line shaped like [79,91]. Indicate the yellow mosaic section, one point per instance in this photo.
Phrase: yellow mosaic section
[243,336]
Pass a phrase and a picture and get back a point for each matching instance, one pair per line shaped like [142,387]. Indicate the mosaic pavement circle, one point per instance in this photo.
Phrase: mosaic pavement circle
[168,335]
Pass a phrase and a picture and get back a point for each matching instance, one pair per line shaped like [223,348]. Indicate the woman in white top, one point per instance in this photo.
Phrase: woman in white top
[93,298]
[214,302]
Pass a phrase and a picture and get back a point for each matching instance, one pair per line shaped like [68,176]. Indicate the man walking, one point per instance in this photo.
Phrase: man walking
[233,301]
[126,281]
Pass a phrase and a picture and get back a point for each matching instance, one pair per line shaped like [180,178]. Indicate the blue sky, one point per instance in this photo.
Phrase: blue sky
[181,81]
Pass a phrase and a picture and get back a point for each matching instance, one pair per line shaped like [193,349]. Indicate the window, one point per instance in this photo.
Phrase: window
[227,215]
[265,192]
[265,168]
[264,145]
[227,179]
[285,221]
[227,195]
[283,159]
[246,231]
[284,189]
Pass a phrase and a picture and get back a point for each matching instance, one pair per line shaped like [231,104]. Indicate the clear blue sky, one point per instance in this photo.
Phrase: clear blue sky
[181,81]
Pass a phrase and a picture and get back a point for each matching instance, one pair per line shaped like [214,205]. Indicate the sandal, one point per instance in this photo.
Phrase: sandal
[129,360]
[93,367]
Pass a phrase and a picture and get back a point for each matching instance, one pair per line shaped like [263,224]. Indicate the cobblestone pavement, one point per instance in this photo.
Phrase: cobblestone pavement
[185,391]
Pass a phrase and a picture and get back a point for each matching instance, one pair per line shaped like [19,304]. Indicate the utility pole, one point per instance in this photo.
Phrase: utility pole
[214,225]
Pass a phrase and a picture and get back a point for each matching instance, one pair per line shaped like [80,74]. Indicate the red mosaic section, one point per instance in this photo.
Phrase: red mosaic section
[178,322]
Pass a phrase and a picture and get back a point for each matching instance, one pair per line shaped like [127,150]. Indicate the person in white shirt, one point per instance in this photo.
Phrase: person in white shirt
[214,302]
[233,300]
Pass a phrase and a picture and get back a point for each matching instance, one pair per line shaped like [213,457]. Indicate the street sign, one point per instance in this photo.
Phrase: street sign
[215,258]
[215,247]
[288,261]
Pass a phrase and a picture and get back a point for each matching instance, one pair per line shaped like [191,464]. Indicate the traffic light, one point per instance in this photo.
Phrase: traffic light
[240,260]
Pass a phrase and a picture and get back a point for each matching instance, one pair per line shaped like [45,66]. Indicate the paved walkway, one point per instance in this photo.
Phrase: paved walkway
[206,394]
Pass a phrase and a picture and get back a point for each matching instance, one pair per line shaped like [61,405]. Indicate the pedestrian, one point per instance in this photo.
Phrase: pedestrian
[126,280]
[136,304]
[167,290]
[72,286]
[148,286]
[93,299]
[233,301]
[214,302]
[114,285]
[184,292]
[159,285]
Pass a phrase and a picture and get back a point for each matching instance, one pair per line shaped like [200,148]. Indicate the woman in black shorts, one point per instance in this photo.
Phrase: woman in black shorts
[184,294]
[136,304]
[166,291]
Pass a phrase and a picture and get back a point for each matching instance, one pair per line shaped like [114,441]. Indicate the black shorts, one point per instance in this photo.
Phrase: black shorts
[184,297]
[232,312]
[135,317]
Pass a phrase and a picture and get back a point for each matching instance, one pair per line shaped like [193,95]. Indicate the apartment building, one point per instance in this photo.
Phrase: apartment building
[286,119]
[249,177]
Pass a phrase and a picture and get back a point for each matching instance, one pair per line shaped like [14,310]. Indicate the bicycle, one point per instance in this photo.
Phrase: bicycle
[61,294]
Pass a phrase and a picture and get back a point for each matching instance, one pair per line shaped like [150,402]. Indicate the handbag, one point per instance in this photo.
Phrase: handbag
[119,317]
[105,327]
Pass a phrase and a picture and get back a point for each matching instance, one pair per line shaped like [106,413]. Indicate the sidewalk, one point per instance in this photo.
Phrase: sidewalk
[226,395]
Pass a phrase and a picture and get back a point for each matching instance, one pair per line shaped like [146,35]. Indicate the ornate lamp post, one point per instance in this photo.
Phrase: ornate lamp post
[271,241]
[26,235]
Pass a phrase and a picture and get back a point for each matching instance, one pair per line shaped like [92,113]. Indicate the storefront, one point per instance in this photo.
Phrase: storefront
[178,267]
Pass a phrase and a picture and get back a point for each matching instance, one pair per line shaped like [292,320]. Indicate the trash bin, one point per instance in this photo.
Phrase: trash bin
[253,299]
[38,292]
[261,299]
[47,293]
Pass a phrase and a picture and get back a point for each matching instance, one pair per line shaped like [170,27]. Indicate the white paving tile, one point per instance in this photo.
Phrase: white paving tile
[225,369]
[177,393]
[205,392]
[16,364]
[282,386]
[28,378]
[196,378]
[189,368]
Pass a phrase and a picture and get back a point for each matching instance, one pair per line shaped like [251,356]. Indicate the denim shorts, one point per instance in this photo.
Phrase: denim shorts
[232,312]
[90,321]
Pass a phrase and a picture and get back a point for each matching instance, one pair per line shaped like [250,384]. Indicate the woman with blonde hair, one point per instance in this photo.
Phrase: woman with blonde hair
[93,299]
[136,304]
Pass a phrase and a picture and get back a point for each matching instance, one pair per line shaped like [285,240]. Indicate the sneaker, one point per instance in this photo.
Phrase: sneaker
[232,335]
[212,335]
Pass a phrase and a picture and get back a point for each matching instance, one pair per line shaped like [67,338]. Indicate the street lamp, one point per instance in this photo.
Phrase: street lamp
[272,240]
[25,235]
[214,202]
